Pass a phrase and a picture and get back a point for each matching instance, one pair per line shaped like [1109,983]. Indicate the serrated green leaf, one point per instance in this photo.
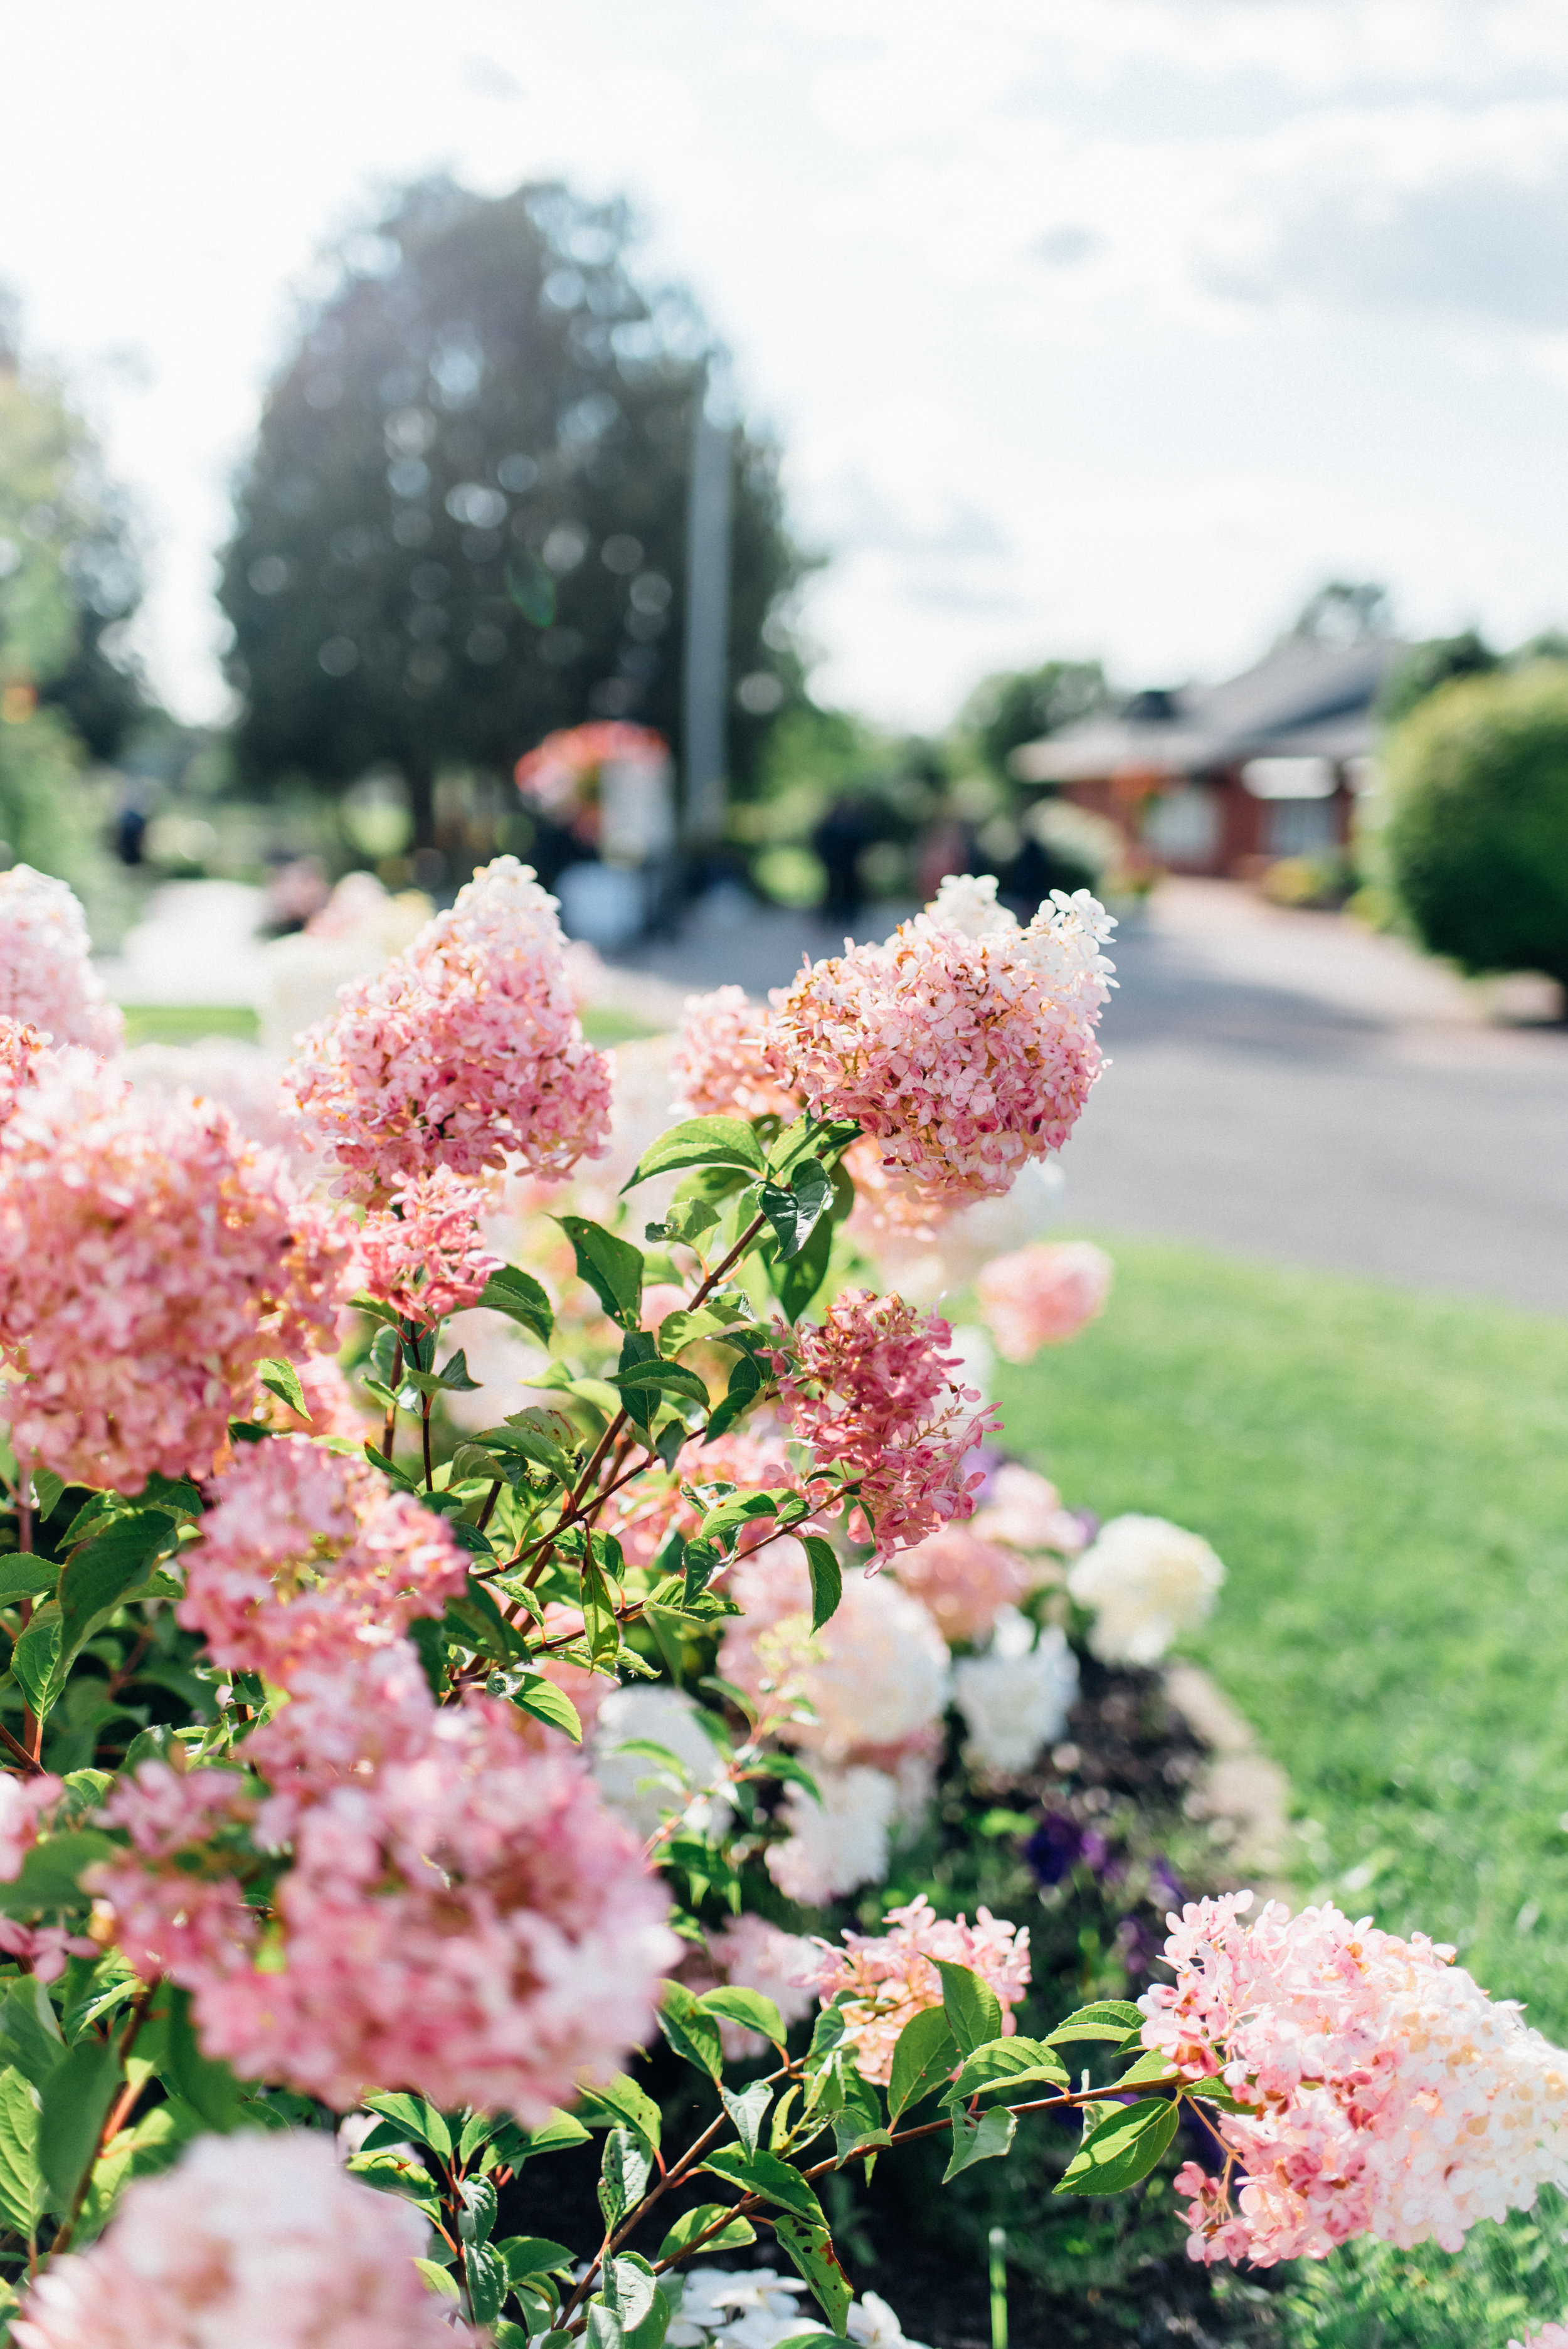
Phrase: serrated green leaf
[700,1142]
[436,2277]
[809,2250]
[658,1375]
[415,2119]
[30,2037]
[923,2056]
[74,2105]
[612,1268]
[795,1212]
[547,1703]
[206,2085]
[749,2110]
[1152,2066]
[543,1435]
[987,2139]
[796,1279]
[26,1578]
[693,2223]
[484,2271]
[1122,2149]
[1010,2063]
[749,2008]
[557,2135]
[395,2173]
[765,2173]
[281,1379]
[1107,2018]
[38,1663]
[827,1579]
[623,2174]
[745,1385]
[620,2100]
[518,1296]
[973,2009]
[97,1576]
[50,1873]
[530,2255]
[48,1492]
[690,2031]
[22,2198]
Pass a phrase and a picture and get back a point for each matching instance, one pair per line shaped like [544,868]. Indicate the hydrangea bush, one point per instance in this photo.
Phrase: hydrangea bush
[380,1785]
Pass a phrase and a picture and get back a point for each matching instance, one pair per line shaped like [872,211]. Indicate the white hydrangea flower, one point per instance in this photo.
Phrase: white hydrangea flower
[838,1844]
[1015,1698]
[636,1785]
[1148,1581]
[754,2308]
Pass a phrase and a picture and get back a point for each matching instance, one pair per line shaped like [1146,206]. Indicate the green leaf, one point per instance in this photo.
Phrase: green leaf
[796,1279]
[629,2288]
[689,2030]
[395,2173]
[50,1872]
[1108,2018]
[29,2031]
[986,2139]
[281,1379]
[518,1296]
[47,1492]
[765,2173]
[541,1435]
[599,1624]
[612,1268]
[547,1703]
[557,2135]
[484,2271]
[748,2111]
[453,1376]
[476,2221]
[1152,2066]
[795,1212]
[21,2180]
[75,2106]
[1122,2149]
[827,1579]
[531,2255]
[206,2085]
[693,2223]
[621,2100]
[437,2279]
[700,1142]
[745,1385]
[671,1378]
[623,2174]
[923,2058]
[1012,2063]
[747,2007]
[415,2119]
[26,1578]
[97,1576]
[973,2009]
[37,1661]
[809,2250]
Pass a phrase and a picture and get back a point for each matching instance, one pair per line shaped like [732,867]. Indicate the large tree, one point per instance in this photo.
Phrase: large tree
[464,519]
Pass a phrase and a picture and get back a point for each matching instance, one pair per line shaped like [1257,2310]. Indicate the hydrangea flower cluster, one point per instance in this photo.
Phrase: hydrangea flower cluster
[1015,1698]
[150,1258]
[874,1676]
[462,1052]
[461,1916]
[838,1843]
[46,976]
[753,1953]
[962,1580]
[252,2239]
[22,1055]
[424,1253]
[1384,2093]
[888,1409]
[724,1063]
[308,1554]
[965,1045]
[1041,1295]
[1549,2337]
[890,1976]
[1021,1508]
[1149,1581]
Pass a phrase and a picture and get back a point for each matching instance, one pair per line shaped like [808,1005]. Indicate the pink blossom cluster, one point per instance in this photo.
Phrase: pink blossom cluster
[251,2240]
[23,1056]
[965,1045]
[1549,2337]
[875,1676]
[1385,2094]
[424,1253]
[23,1802]
[46,976]
[875,1392]
[725,1063]
[891,1978]
[174,1902]
[462,1916]
[1041,1295]
[962,1580]
[463,1053]
[562,774]
[150,1258]
[308,1554]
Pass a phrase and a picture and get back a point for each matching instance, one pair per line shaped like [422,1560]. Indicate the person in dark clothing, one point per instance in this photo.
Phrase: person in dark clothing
[849,826]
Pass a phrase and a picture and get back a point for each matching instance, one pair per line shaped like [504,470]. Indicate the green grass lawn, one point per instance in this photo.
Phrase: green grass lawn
[1386,1476]
[188,1023]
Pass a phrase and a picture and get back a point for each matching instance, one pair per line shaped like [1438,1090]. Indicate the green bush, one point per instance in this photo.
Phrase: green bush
[1506,2280]
[1477,838]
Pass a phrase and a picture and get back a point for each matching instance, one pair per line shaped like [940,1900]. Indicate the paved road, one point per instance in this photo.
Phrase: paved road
[1286,1085]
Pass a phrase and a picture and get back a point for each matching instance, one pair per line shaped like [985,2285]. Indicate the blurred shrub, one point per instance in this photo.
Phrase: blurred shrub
[1476,840]
[1507,2277]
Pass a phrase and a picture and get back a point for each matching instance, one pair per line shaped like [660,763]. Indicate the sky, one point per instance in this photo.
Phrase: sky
[1102,328]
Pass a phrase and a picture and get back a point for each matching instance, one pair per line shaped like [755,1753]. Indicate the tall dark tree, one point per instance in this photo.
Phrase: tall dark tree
[1018,706]
[464,519]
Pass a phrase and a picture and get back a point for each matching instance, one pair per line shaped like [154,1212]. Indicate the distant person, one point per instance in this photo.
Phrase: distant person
[849,826]
[947,846]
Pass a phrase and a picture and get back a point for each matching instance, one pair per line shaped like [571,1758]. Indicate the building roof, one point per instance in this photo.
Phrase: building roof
[1304,698]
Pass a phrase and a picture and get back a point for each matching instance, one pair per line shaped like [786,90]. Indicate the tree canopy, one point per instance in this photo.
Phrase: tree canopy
[463,523]
[1018,706]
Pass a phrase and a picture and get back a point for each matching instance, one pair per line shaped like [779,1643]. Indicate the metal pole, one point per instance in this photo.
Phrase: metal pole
[707,683]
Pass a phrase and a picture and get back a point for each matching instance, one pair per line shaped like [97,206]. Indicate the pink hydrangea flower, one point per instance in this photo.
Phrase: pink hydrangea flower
[1549,2337]
[965,1045]
[891,1976]
[252,2238]
[175,1903]
[875,1676]
[43,1950]
[150,1258]
[23,1802]
[23,1056]
[1041,1295]
[46,976]
[308,1552]
[962,1580]
[875,1392]
[423,1255]
[465,1052]
[725,1063]
[462,1916]
[1385,2094]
